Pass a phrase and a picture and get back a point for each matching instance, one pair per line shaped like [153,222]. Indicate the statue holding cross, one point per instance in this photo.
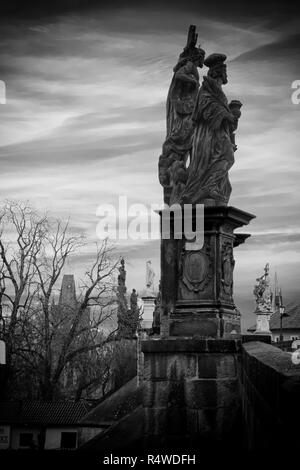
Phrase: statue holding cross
[180,128]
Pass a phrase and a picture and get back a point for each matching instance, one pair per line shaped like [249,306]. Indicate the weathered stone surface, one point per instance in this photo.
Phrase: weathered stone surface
[196,345]
[229,420]
[200,422]
[214,423]
[210,393]
[224,346]
[206,327]
[163,393]
[190,387]
[170,366]
[165,421]
[155,420]
[216,366]
[270,389]
[155,393]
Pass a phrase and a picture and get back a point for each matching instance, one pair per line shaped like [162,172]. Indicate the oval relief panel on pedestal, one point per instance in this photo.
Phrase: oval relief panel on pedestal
[195,269]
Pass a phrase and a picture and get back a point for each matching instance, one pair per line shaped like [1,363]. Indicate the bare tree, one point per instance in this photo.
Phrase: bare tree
[85,335]
[21,235]
[57,246]
[95,372]
[45,340]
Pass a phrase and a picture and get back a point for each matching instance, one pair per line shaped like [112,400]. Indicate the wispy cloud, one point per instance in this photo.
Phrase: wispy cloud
[85,120]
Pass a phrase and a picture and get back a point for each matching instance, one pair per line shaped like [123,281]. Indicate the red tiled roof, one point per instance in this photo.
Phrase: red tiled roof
[38,412]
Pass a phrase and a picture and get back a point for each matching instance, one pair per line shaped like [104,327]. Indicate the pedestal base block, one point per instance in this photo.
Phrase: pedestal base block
[205,324]
[197,281]
[190,392]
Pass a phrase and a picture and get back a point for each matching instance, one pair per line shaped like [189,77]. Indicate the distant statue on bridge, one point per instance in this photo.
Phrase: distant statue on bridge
[150,274]
[262,292]
[122,277]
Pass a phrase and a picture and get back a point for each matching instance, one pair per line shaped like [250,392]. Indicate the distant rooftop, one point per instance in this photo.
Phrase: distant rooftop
[292,322]
[38,412]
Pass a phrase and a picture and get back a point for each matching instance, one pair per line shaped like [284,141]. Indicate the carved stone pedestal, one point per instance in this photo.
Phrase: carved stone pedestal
[148,309]
[197,282]
[263,323]
[190,394]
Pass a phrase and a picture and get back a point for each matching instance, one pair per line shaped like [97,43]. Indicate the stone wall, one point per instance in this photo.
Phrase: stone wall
[284,345]
[270,392]
[190,392]
[142,336]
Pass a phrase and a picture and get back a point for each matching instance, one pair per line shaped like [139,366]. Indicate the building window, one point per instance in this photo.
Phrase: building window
[26,439]
[68,440]
[4,436]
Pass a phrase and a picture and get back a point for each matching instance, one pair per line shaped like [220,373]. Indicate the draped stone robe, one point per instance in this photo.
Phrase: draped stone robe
[213,152]
[180,127]
[180,106]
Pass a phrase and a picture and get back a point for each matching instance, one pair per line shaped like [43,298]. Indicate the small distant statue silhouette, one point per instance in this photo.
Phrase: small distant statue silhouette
[150,274]
[262,292]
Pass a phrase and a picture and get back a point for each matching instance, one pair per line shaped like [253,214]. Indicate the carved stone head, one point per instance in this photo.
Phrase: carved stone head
[217,68]
[193,54]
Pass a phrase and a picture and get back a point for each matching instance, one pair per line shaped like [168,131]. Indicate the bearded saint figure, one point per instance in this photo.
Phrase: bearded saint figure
[214,144]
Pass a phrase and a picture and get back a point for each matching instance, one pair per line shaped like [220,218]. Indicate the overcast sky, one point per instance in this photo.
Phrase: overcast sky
[85,118]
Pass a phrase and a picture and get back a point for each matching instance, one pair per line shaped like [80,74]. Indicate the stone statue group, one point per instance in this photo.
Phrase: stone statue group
[200,143]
